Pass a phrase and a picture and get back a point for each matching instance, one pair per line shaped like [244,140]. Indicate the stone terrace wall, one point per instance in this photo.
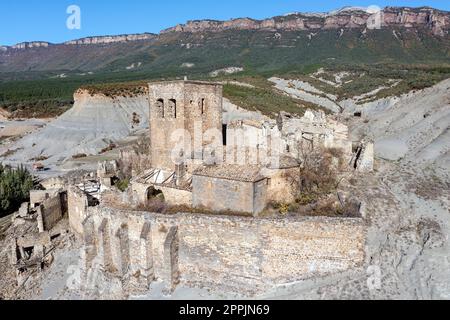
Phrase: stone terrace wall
[232,254]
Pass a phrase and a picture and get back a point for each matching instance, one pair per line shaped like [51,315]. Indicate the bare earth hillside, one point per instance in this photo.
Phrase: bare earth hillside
[413,128]
[94,122]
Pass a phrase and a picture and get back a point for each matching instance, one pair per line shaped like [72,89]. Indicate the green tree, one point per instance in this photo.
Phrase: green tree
[15,186]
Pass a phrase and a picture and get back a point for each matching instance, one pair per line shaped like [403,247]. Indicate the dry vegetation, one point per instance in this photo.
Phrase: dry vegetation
[79,156]
[113,90]
[316,186]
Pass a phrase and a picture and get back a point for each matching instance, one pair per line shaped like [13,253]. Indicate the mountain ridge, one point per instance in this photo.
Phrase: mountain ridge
[438,21]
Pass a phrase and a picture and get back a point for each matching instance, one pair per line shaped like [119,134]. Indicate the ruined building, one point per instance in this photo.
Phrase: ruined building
[198,158]
[202,161]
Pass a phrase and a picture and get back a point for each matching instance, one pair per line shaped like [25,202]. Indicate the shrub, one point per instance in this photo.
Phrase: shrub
[122,185]
[40,158]
[111,147]
[79,156]
[15,186]
[155,205]
[318,175]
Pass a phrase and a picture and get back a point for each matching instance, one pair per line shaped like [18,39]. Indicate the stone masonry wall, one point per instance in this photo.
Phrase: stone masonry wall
[231,254]
[49,213]
[176,197]
[77,209]
[173,196]
[182,107]
[39,196]
[223,195]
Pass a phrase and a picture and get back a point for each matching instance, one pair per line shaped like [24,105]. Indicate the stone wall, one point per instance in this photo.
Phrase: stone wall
[176,197]
[366,161]
[55,183]
[39,196]
[173,196]
[230,254]
[77,209]
[50,212]
[280,188]
[219,194]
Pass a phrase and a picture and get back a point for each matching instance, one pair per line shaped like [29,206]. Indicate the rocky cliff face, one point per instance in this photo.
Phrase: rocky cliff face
[29,45]
[435,20]
[83,41]
[112,39]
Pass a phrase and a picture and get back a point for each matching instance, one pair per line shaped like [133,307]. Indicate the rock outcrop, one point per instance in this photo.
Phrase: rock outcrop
[435,20]
[112,39]
[30,45]
[83,41]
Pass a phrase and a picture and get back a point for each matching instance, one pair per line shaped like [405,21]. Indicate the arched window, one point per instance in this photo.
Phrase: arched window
[160,108]
[172,109]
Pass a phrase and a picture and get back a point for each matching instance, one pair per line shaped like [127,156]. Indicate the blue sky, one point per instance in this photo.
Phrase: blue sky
[29,20]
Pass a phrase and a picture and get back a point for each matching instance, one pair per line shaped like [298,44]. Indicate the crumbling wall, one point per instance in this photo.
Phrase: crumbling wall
[37,197]
[366,160]
[136,159]
[77,209]
[172,195]
[176,197]
[54,183]
[140,191]
[233,254]
[250,142]
[49,213]
[281,188]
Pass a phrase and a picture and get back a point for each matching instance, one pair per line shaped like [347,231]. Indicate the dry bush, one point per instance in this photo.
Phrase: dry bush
[112,90]
[111,147]
[155,205]
[40,158]
[319,174]
[79,156]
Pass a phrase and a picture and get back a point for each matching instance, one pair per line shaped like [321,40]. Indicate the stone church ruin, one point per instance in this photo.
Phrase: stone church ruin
[219,174]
